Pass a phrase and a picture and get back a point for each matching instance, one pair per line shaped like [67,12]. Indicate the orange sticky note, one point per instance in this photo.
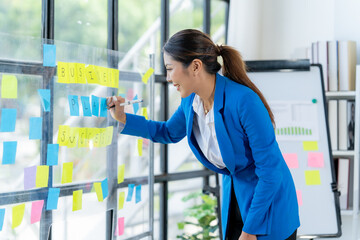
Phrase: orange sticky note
[291,160]
[121,200]
[63,72]
[42,176]
[310,146]
[121,172]
[312,177]
[9,86]
[299,197]
[17,215]
[98,190]
[77,200]
[316,159]
[67,172]
[147,75]
[140,146]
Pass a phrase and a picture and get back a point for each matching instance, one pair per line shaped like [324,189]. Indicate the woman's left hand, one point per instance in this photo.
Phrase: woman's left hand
[247,236]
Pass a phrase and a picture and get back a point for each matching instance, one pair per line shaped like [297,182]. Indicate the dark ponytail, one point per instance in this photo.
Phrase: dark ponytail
[190,44]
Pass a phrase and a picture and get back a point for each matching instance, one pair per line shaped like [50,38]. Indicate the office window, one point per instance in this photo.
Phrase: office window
[217,19]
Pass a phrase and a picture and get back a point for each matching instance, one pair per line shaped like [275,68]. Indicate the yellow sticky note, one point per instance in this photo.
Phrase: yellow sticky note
[96,138]
[63,72]
[115,78]
[121,200]
[109,135]
[77,200]
[83,141]
[67,172]
[147,75]
[102,137]
[73,137]
[80,73]
[144,112]
[63,135]
[9,87]
[121,173]
[98,190]
[72,72]
[42,176]
[17,215]
[103,75]
[310,146]
[312,177]
[91,74]
[140,146]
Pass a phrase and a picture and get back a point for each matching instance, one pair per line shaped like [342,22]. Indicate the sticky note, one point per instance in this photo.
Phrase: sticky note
[291,160]
[35,130]
[138,194]
[9,152]
[83,141]
[310,146]
[316,159]
[103,75]
[2,215]
[17,215]
[115,78]
[147,75]
[45,98]
[52,154]
[95,105]
[140,146]
[135,105]
[8,119]
[105,188]
[73,137]
[67,172]
[80,73]
[299,197]
[72,73]
[121,200]
[103,107]
[63,135]
[121,172]
[91,74]
[77,200]
[9,86]
[121,223]
[144,112]
[98,190]
[52,199]
[63,72]
[109,135]
[29,177]
[42,176]
[74,105]
[85,102]
[312,177]
[130,192]
[36,210]
[96,138]
[49,54]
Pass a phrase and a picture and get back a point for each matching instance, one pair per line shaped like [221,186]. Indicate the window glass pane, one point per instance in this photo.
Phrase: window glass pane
[218,14]
[83,21]
[186,14]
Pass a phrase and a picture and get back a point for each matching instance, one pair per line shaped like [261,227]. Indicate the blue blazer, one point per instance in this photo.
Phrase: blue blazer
[263,184]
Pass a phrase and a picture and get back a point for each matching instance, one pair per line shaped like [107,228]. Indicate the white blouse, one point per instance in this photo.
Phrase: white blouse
[205,135]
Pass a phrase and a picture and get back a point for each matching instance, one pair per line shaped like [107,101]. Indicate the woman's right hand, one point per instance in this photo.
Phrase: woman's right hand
[116,112]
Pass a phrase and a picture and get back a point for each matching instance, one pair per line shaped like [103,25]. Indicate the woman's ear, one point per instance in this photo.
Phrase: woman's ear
[196,66]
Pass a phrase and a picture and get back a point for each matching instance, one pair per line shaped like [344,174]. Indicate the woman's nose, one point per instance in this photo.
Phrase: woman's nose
[168,79]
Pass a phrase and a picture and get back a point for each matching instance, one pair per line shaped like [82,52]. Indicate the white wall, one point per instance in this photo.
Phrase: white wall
[284,29]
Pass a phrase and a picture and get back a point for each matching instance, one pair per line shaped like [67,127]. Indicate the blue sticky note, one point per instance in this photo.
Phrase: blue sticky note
[45,99]
[52,199]
[95,105]
[9,152]
[2,215]
[52,155]
[8,119]
[49,54]
[135,105]
[35,131]
[74,105]
[85,102]
[138,194]
[103,107]
[130,192]
[105,188]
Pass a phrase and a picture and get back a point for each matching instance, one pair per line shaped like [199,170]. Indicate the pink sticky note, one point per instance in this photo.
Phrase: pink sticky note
[316,159]
[36,210]
[291,160]
[121,225]
[299,197]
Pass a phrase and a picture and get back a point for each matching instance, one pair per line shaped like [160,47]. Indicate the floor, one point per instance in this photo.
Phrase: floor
[350,228]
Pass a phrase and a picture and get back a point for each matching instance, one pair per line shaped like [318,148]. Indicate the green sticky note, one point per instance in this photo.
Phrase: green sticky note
[42,176]
[67,172]
[121,171]
[77,200]
[312,177]
[9,86]
[17,215]
[310,146]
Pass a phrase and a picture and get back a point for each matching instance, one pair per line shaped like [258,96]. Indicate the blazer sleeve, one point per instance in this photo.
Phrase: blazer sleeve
[267,157]
[170,131]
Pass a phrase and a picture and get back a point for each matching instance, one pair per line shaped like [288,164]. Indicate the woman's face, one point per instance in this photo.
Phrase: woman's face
[179,76]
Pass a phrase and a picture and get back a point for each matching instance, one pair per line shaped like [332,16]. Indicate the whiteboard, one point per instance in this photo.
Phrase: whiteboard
[297,100]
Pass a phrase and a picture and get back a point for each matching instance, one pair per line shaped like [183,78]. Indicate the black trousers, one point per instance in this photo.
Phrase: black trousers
[235,223]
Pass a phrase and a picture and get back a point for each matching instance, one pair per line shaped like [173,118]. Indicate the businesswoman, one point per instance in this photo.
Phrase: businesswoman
[230,129]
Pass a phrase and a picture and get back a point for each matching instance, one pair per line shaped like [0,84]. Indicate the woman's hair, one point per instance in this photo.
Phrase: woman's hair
[189,44]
